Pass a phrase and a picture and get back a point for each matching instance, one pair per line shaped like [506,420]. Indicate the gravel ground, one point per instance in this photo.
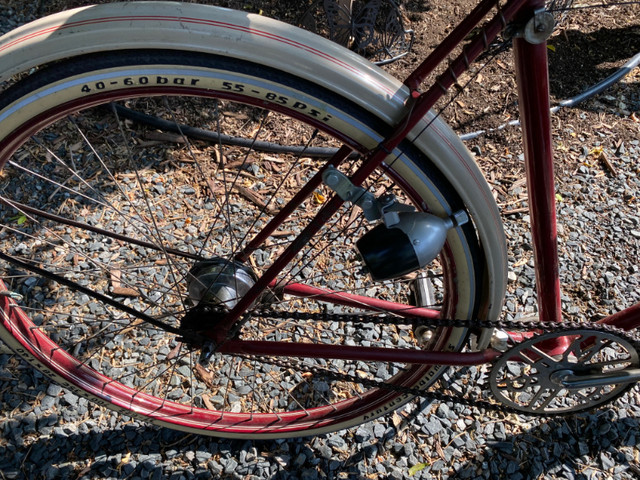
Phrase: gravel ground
[41,437]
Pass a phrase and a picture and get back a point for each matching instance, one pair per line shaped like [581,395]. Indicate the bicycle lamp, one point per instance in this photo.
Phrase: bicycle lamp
[405,241]
[393,249]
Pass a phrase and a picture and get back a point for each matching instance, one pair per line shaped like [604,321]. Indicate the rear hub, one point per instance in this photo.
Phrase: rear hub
[219,282]
[214,287]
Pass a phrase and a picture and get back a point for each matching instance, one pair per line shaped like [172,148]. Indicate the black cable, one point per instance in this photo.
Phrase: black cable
[209,136]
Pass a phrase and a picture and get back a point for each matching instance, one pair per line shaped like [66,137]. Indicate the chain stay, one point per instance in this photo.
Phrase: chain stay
[537,327]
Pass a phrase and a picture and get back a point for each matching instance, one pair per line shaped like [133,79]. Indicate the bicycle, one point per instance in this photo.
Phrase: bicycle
[216,288]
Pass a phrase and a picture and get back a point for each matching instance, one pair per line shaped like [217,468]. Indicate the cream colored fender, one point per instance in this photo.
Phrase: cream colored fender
[261,40]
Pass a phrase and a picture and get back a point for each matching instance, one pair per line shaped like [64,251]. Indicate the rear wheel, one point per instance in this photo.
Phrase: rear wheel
[132,187]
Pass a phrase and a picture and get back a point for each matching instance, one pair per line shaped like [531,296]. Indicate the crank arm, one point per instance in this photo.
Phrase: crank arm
[567,379]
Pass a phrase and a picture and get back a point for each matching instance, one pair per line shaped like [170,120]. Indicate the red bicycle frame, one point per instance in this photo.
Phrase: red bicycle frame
[533,90]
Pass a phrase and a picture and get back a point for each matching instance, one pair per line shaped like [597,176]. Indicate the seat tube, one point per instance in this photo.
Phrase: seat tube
[533,92]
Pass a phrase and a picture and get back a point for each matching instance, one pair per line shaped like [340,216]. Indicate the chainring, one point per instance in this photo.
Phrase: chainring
[549,374]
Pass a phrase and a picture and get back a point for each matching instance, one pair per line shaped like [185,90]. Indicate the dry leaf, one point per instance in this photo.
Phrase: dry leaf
[318,198]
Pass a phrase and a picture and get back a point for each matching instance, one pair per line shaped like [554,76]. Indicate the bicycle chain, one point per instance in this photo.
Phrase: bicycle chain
[537,327]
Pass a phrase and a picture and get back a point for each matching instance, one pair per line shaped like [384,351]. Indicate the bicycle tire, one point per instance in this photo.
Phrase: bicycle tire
[77,88]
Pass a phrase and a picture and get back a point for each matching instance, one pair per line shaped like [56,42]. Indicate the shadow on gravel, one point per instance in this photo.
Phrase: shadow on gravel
[148,452]
[39,444]
[577,447]
[49,433]
[578,60]
[602,444]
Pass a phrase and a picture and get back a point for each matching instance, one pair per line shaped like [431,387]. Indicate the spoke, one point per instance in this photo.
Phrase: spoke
[104,203]
[97,348]
[107,170]
[162,372]
[156,229]
[311,254]
[226,206]
[200,167]
[53,182]
[171,374]
[107,206]
[191,377]
[272,197]
[91,293]
[100,268]
[22,208]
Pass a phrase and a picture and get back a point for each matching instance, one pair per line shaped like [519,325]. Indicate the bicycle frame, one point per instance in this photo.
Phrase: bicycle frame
[532,79]
[533,90]
[192,348]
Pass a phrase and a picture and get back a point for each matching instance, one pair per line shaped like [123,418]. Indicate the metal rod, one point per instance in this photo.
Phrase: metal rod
[345,352]
[359,301]
[90,228]
[627,319]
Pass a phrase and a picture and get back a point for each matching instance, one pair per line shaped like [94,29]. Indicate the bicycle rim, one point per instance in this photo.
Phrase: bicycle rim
[103,217]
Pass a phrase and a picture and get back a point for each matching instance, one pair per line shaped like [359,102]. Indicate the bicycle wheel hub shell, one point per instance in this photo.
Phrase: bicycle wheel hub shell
[219,282]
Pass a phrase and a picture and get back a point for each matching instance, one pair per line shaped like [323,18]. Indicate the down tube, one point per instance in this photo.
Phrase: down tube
[533,94]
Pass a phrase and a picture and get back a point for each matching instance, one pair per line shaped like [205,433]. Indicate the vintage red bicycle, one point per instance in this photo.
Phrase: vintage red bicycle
[223,224]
